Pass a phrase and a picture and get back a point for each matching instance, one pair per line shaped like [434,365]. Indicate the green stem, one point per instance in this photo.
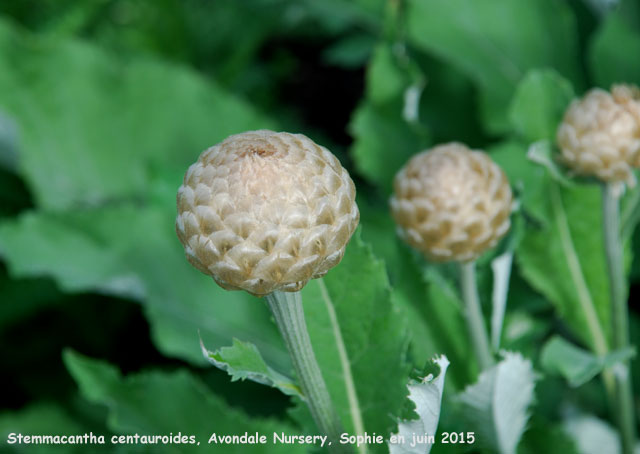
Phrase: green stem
[473,315]
[288,313]
[620,315]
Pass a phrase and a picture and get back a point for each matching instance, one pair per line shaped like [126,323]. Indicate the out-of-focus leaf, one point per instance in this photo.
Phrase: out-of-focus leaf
[561,254]
[351,51]
[539,104]
[609,56]
[91,126]
[384,140]
[427,397]
[575,364]
[40,419]
[630,213]
[592,435]
[562,257]
[8,143]
[495,42]
[242,361]
[501,268]
[132,251]
[21,298]
[357,331]
[527,178]
[541,153]
[497,406]
[163,403]
[546,437]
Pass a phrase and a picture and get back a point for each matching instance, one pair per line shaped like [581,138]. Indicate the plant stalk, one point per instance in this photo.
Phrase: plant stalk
[620,315]
[288,313]
[473,315]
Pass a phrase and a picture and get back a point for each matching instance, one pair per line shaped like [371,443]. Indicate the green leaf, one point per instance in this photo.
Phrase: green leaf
[609,55]
[527,178]
[242,361]
[575,364]
[496,407]
[40,419]
[501,268]
[405,276]
[538,104]
[541,153]
[547,437]
[357,332]
[92,134]
[8,143]
[562,257]
[133,251]
[495,42]
[164,403]
[592,435]
[427,397]
[384,140]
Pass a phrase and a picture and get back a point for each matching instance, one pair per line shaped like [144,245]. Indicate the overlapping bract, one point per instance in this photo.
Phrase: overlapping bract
[451,203]
[265,211]
[600,134]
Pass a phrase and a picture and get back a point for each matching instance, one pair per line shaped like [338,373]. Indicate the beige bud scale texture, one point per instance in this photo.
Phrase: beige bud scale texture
[265,211]
[600,134]
[451,203]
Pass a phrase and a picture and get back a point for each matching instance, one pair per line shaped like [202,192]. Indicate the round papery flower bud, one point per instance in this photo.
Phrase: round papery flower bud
[451,203]
[265,211]
[600,134]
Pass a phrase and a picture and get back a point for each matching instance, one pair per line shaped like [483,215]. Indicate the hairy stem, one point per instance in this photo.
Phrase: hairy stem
[288,313]
[620,316]
[473,315]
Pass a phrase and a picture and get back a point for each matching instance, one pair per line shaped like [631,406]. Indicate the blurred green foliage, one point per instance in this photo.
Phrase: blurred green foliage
[104,104]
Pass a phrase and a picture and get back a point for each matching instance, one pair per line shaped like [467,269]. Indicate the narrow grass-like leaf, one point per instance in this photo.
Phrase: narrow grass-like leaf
[501,267]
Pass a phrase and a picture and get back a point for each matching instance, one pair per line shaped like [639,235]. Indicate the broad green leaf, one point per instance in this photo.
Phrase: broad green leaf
[495,42]
[575,364]
[609,55]
[409,290]
[538,104]
[133,251]
[497,406]
[242,361]
[357,332]
[39,419]
[427,397]
[562,256]
[92,128]
[164,403]
[384,140]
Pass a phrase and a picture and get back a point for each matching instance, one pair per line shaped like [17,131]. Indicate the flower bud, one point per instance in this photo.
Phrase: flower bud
[451,203]
[265,211]
[600,134]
